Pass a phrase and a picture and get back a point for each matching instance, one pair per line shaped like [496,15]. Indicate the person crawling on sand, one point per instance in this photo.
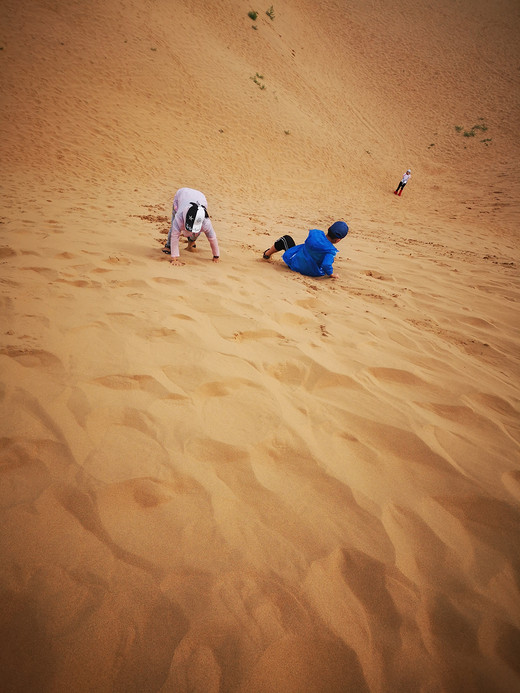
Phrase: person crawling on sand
[404,180]
[190,218]
[313,258]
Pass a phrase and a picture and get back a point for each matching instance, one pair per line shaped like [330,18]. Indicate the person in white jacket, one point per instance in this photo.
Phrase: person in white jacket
[190,218]
[404,180]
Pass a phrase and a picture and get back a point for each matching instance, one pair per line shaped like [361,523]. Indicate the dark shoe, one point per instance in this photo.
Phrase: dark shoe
[266,257]
[167,250]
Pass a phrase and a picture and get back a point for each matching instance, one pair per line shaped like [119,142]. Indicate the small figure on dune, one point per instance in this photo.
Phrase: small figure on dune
[315,256]
[190,218]
[404,180]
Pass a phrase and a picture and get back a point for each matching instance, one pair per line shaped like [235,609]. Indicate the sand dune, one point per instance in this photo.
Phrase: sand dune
[230,477]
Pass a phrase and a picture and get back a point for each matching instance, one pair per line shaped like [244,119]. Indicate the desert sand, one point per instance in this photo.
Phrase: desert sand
[228,477]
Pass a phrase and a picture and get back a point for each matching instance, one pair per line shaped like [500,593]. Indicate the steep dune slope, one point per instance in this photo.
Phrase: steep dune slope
[229,477]
[157,91]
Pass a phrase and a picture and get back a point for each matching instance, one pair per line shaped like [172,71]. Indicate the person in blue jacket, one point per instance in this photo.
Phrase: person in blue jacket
[313,258]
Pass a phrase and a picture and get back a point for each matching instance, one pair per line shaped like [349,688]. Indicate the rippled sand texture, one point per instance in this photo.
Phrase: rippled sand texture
[229,477]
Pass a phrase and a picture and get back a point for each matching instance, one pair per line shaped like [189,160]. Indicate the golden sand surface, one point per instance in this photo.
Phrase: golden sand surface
[228,477]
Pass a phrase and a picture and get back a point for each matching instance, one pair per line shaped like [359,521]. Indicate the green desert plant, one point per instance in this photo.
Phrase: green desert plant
[270,12]
[480,127]
[252,15]
[256,79]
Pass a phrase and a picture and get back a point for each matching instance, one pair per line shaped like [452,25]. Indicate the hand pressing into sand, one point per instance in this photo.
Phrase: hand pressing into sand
[190,218]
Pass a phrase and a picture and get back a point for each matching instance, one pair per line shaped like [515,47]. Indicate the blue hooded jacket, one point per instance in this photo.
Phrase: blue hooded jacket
[313,258]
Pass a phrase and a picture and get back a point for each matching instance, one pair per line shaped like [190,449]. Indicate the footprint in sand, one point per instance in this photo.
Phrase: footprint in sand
[114,260]
[81,283]
[147,518]
[376,275]
[496,404]
[33,358]
[310,375]
[144,383]
[397,376]
[25,469]
[50,274]
[123,439]
[255,335]
[171,281]
[162,332]
[511,481]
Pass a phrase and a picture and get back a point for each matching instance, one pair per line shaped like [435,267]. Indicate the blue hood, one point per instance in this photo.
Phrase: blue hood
[313,258]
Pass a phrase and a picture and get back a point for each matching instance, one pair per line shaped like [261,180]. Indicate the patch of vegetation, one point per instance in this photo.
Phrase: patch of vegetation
[256,79]
[270,13]
[252,15]
[479,127]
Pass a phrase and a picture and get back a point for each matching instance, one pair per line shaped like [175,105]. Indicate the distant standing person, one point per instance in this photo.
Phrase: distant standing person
[190,218]
[313,258]
[404,180]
